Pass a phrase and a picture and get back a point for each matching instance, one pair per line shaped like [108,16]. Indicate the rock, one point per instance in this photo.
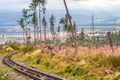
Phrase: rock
[9,49]
[36,52]
[108,72]
[81,63]
[4,47]
[21,47]
[117,75]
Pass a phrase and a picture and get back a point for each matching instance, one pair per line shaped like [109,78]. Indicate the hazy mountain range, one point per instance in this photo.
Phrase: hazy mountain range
[81,17]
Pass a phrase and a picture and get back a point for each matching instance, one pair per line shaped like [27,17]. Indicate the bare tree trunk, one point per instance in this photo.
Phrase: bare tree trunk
[40,23]
[72,28]
[93,28]
[35,34]
[110,41]
[45,33]
[23,36]
[26,32]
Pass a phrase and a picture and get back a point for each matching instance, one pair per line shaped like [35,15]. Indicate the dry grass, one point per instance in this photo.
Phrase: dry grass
[104,50]
[90,62]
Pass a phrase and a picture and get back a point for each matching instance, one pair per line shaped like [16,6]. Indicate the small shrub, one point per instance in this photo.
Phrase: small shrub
[110,61]
[28,59]
[69,68]
[3,77]
[118,68]
[2,74]
[114,61]
[72,71]
[15,46]
[48,64]
[28,48]
[36,60]
[77,71]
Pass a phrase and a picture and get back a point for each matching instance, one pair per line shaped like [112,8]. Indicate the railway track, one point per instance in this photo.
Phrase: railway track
[27,71]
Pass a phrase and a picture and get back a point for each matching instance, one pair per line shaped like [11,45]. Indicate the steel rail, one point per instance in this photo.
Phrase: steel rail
[30,72]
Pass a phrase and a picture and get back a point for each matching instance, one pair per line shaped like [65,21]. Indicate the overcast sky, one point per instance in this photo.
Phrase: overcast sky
[16,5]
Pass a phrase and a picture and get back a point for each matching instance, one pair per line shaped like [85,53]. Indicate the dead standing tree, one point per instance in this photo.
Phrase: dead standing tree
[110,41]
[93,28]
[71,28]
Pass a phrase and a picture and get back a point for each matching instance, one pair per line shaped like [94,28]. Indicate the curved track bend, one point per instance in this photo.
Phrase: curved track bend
[27,71]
